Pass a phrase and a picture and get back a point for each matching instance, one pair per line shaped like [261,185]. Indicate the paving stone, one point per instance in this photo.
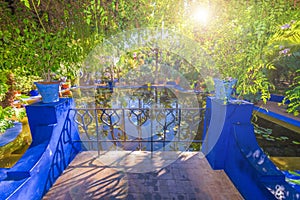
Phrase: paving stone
[190,177]
[157,196]
[148,196]
[171,182]
[163,188]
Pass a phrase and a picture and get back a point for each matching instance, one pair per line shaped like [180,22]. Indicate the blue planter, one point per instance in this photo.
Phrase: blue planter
[223,88]
[111,84]
[49,91]
[33,93]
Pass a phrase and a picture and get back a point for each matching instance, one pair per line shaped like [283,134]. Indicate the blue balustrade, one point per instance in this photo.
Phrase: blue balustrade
[230,145]
[52,149]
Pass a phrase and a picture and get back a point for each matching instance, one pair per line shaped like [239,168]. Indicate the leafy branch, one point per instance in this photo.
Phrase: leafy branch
[27,4]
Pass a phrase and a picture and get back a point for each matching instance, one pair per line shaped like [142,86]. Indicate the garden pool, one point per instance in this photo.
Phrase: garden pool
[13,151]
[140,118]
[283,147]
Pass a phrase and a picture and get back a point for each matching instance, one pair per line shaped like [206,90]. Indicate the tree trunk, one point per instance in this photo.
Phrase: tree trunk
[10,94]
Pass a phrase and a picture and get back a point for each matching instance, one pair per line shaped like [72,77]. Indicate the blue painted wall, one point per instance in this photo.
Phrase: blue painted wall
[52,149]
[230,144]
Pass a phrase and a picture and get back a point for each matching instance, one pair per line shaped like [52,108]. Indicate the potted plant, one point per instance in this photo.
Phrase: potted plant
[224,88]
[65,84]
[50,59]
[60,55]
[48,89]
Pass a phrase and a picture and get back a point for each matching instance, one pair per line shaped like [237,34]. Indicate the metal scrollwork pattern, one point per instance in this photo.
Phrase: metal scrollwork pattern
[116,126]
[109,117]
[138,117]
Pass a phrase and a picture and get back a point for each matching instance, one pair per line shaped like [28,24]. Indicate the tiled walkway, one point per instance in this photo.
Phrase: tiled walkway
[129,175]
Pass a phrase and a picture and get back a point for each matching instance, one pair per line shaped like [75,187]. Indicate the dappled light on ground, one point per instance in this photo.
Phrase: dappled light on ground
[189,177]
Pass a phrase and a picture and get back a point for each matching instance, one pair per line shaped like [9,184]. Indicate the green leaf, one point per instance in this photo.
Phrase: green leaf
[26,3]
[295,142]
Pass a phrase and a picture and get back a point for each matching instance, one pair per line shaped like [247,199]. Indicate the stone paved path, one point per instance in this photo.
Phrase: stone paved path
[188,177]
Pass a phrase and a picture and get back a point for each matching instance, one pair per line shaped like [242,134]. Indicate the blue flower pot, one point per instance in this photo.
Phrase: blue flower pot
[111,84]
[49,91]
[224,88]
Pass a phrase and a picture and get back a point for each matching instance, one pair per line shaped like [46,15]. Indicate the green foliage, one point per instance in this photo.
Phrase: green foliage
[293,96]
[9,115]
[237,38]
[25,83]
[288,36]
[26,3]
[30,51]
[285,51]
[59,36]
[35,53]
[3,85]
[5,118]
